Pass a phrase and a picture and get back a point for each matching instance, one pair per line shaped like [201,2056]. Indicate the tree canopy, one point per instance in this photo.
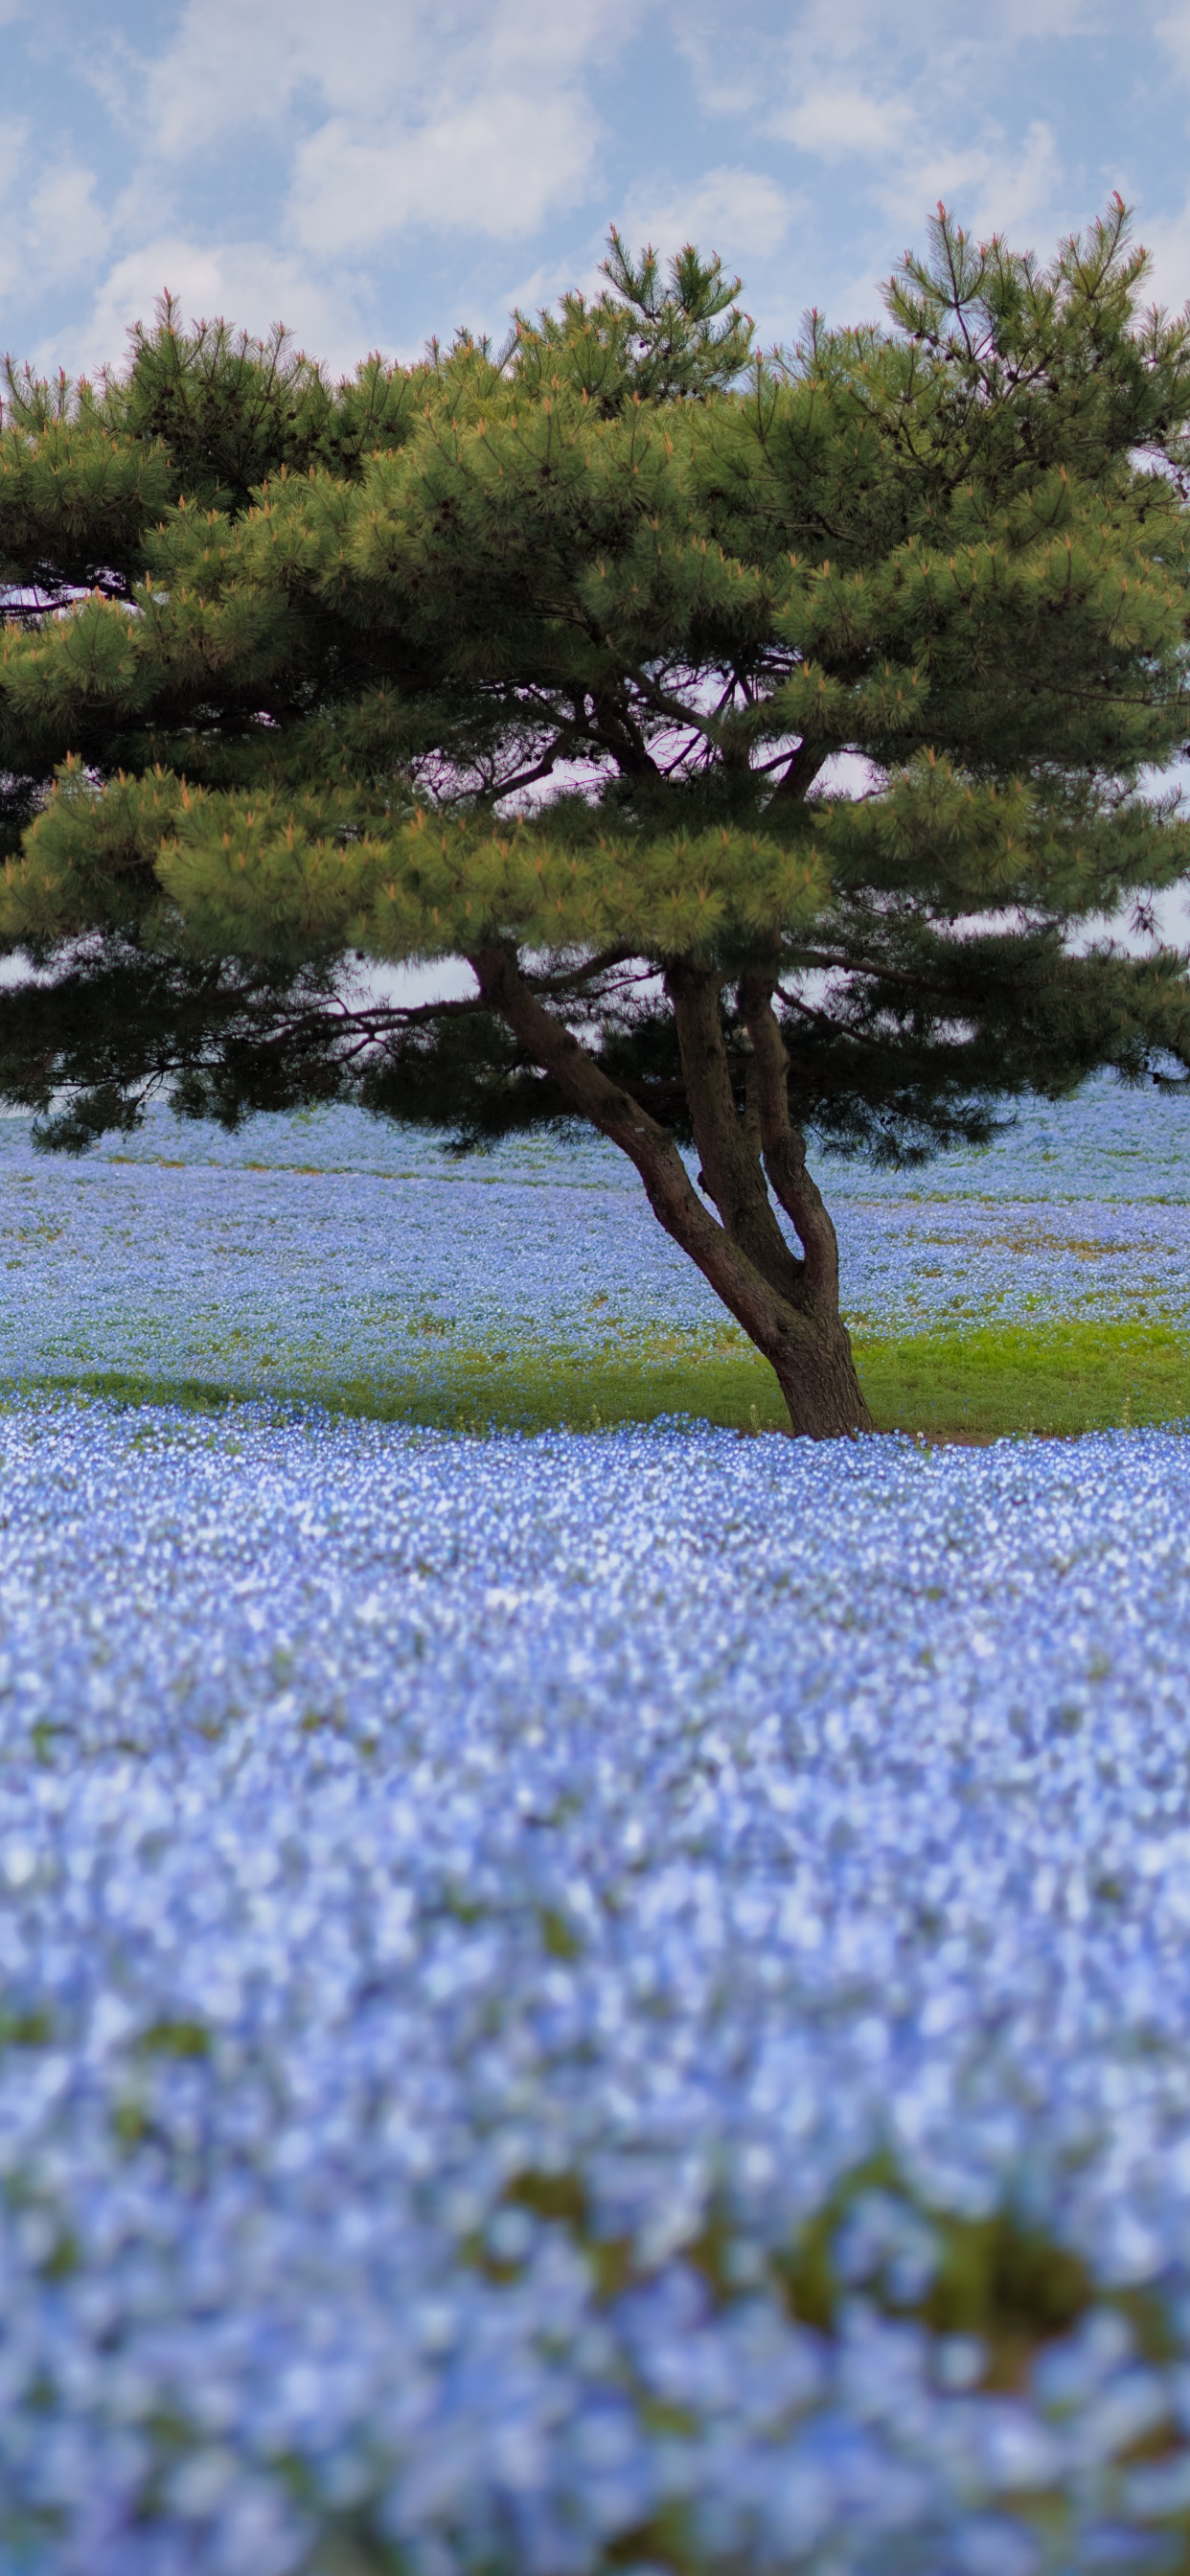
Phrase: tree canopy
[770,732]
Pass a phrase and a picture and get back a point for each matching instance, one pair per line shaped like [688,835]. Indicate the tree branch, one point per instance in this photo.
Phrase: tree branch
[804,767]
[784,1146]
[543,768]
[868,966]
[731,1168]
[613,728]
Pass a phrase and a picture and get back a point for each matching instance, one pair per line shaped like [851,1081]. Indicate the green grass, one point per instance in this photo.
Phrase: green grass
[979,1384]
[1061,1378]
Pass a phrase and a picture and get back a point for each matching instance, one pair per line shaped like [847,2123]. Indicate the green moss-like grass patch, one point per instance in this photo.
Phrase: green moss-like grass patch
[1001,1379]
[982,1384]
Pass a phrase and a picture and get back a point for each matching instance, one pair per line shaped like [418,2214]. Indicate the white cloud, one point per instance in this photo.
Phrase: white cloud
[380,121]
[385,119]
[1173,34]
[14,140]
[907,98]
[494,166]
[245,282]
[917,120]
[836,119]
[899,109]
[991,187]
[54,229]
[230,68]
[1168,238]
[988,186]
[740,213]
[392,64]
[65,230]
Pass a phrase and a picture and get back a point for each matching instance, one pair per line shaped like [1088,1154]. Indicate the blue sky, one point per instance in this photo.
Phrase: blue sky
[374,170]
[371,171]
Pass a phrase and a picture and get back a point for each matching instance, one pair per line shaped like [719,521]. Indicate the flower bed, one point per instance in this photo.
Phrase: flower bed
[590,2002]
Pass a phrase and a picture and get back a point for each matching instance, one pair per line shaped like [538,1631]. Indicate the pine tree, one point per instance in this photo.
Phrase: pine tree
[769,732]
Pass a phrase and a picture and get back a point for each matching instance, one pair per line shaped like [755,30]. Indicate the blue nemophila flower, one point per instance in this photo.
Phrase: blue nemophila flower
[572,2002]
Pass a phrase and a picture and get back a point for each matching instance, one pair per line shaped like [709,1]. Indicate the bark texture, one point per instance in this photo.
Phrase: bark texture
[787,1304]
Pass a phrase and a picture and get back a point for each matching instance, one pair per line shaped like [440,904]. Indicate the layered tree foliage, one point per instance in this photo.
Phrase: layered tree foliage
[770,734]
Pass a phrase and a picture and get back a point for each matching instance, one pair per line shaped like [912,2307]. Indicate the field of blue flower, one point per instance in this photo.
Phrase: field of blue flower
[329,1245]
[573,2003]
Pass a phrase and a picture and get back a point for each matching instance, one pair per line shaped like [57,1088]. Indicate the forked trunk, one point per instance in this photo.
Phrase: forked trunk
[786,1304]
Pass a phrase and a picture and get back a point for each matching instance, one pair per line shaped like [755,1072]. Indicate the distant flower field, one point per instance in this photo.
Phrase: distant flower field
[313,1248]
[573,2003]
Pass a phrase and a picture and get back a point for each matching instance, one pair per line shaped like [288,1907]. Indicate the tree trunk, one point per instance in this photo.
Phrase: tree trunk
[788,1307]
